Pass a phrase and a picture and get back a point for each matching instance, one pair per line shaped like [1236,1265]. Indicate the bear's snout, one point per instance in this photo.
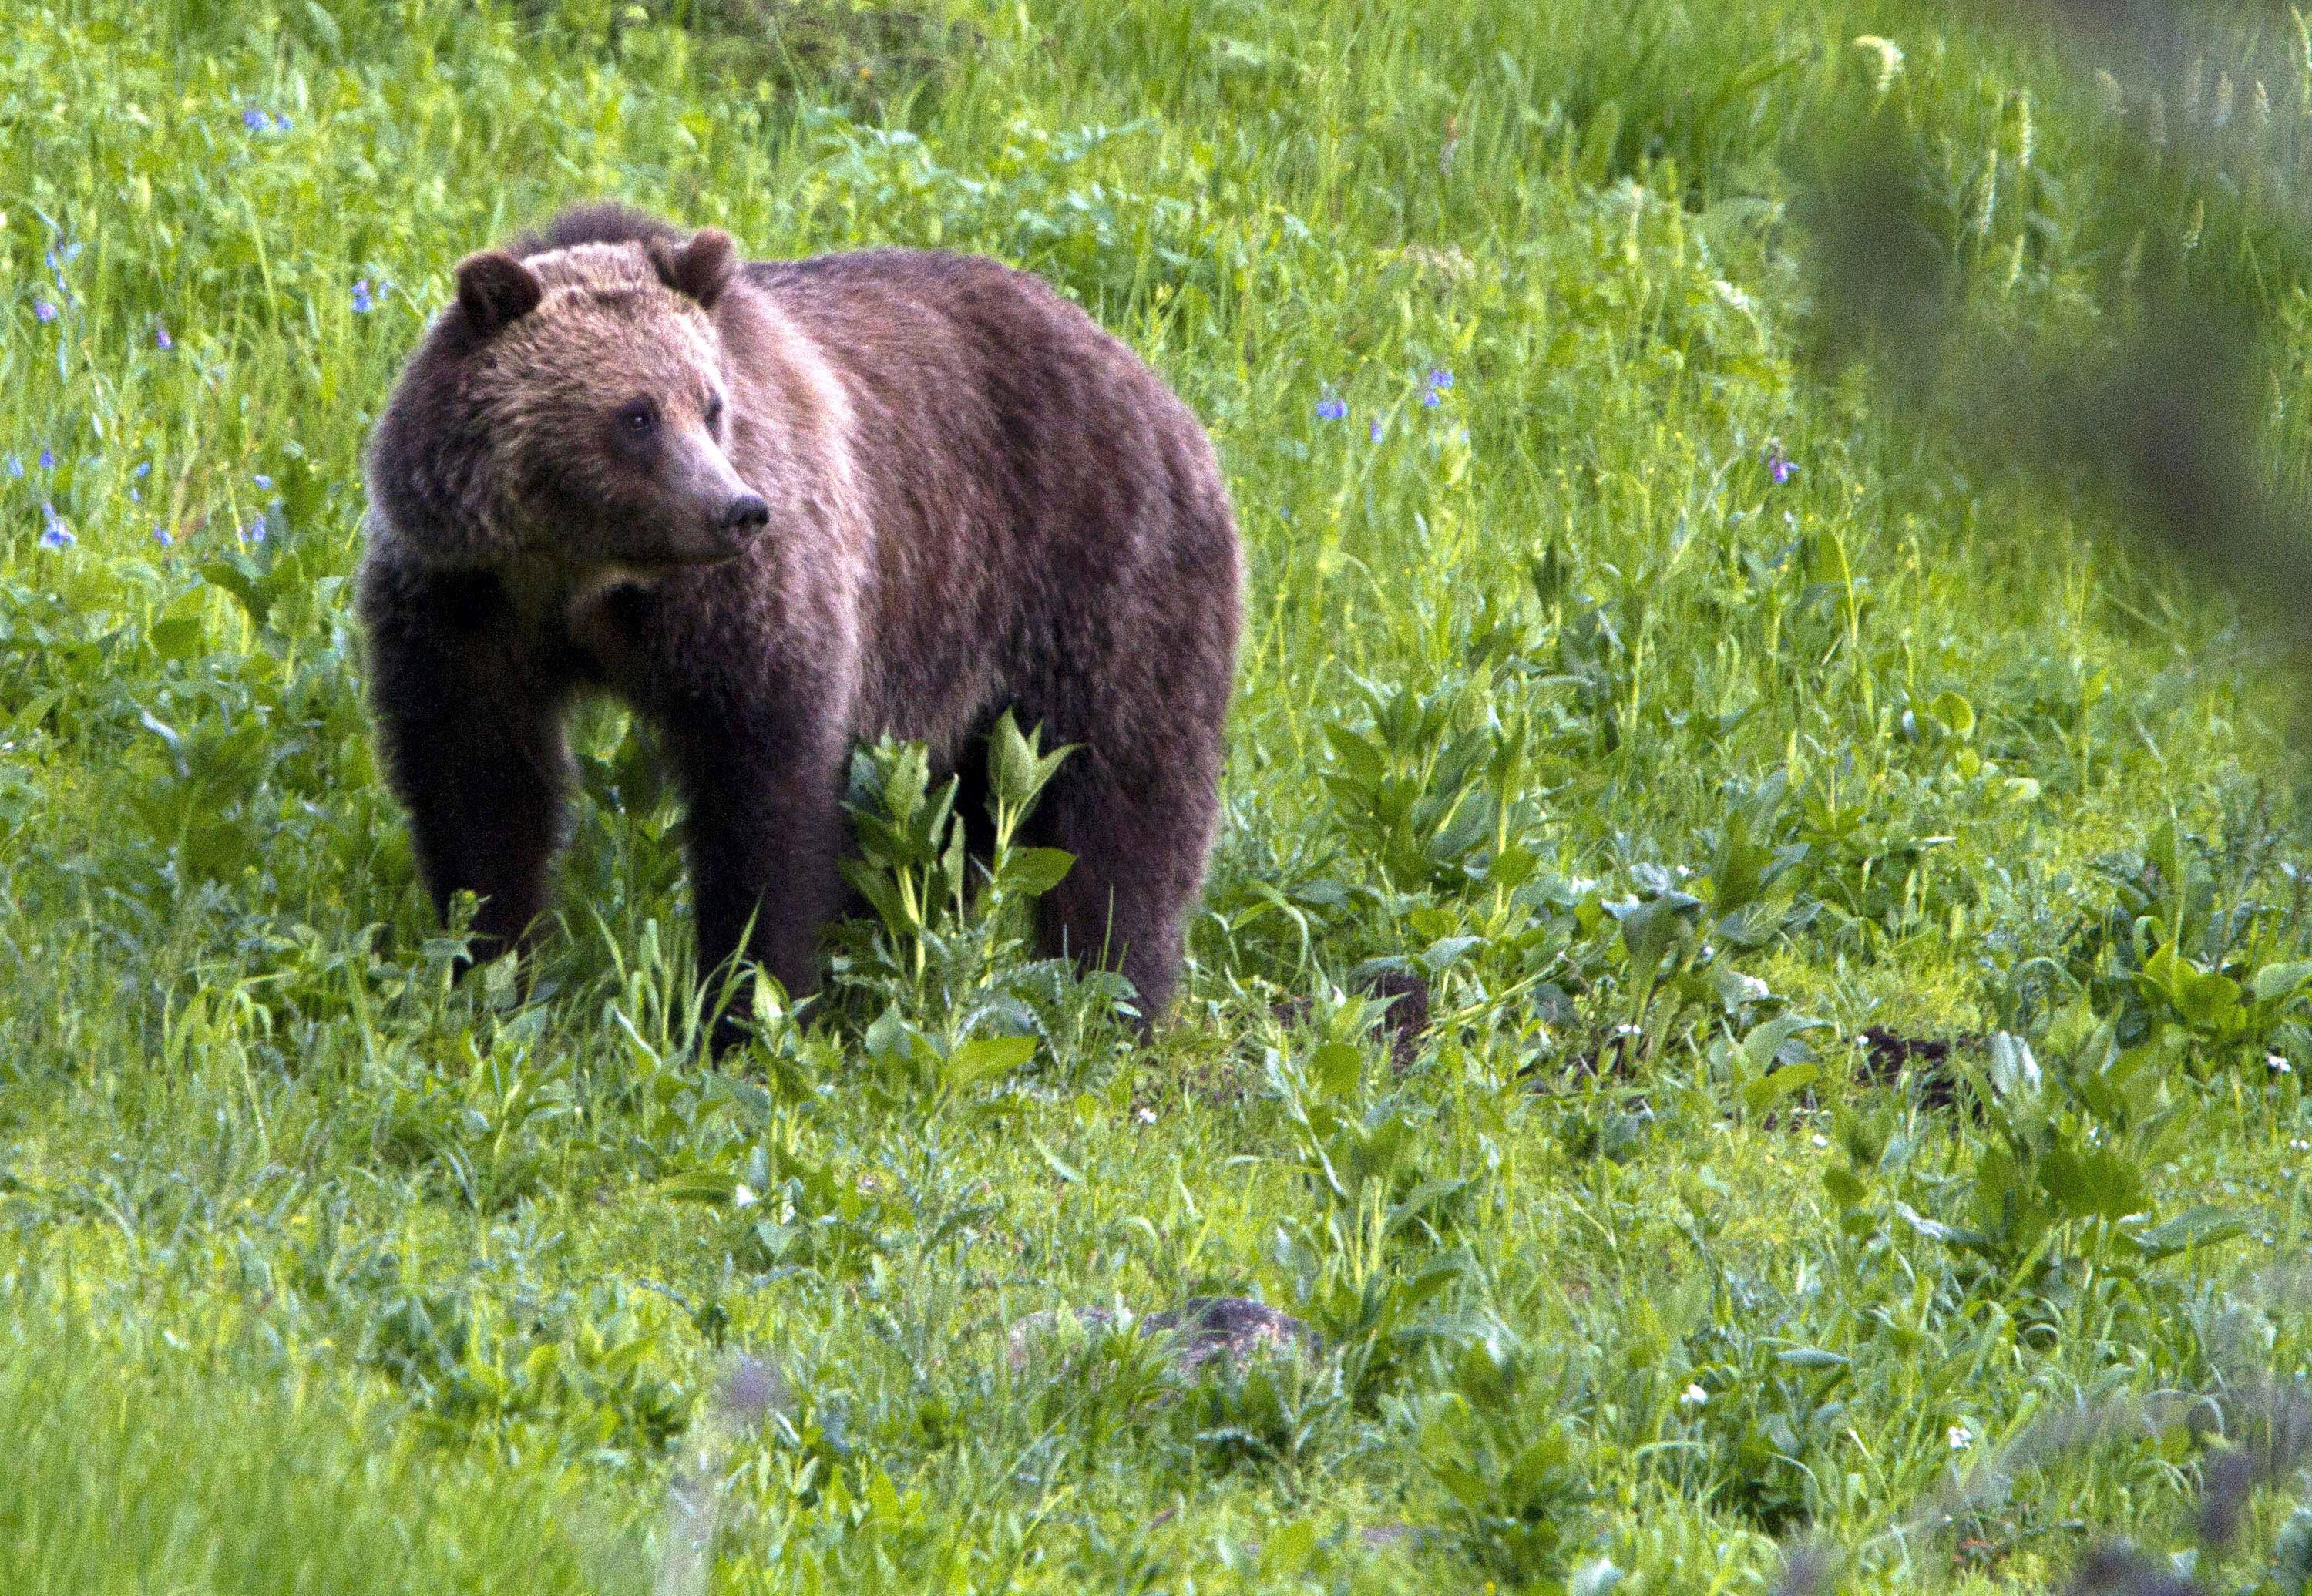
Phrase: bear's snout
[746,514]
[716,514]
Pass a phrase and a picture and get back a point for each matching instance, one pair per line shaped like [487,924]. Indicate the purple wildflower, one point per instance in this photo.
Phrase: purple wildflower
[161,338]
[262,480]
[252,118]
[135,497]
[751,1390]
[363,302]
[1778,464]
[144,469]
[1332,409]
[48,460]
[1431,399]
[1439,378]
[62,255]
[161,536]
[258,529]
[55,534]
[42,309]
[15,465]
[282,124]
[1374,431]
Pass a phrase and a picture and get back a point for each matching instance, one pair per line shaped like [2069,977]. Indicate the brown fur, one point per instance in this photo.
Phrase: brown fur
[976,499]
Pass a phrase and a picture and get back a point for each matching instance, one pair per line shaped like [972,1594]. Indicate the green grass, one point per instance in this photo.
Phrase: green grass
[318,1273]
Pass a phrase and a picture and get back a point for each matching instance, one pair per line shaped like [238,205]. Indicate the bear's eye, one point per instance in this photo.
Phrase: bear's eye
[639,419]
[714,413]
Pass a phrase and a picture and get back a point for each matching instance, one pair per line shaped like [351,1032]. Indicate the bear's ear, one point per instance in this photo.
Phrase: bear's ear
[700,268]
[494,288]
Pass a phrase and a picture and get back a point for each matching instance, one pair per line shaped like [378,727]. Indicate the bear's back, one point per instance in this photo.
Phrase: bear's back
[876,310]
[972,380]
[1025,475]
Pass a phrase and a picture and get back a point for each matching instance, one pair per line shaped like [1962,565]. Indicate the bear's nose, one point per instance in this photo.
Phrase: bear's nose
[746,514]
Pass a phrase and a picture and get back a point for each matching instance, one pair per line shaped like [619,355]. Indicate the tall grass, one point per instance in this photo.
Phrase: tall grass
[1635,676]
[158,1463]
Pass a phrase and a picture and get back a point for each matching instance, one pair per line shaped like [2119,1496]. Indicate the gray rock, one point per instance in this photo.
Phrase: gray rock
[1380,1537]
[1200,1331]
[1020,1345]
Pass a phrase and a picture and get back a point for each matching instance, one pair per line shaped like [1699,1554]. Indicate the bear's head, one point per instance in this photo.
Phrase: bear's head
[572,405]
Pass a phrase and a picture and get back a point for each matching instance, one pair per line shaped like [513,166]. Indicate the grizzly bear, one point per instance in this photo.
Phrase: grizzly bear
[777,507]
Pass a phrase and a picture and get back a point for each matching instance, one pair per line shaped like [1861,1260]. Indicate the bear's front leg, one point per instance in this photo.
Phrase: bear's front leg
[765,824]
[470,728]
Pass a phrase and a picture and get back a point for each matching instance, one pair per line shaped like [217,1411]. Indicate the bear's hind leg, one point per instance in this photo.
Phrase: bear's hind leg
[1140,835]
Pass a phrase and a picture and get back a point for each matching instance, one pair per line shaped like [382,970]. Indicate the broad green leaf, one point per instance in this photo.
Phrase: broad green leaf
[1950,1235]
[1813,1358]
[1337,1068]
[2014,1073]
[1953,712]
[1650,929]
[699,1186]
[1362,759]
[1763,1093]
[1033,872]
[1012,763]
[2203,1226]
[2095,1180]
[1767,1042]
[2281,980]
[181,633]
[983,1057]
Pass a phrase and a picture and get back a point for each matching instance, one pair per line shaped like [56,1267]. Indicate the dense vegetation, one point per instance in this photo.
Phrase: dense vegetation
[1861,896]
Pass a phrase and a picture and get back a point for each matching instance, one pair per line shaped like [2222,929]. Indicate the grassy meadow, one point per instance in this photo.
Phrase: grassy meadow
[1861,892]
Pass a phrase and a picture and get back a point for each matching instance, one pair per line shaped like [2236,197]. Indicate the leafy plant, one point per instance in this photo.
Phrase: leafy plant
[943,956]
[1775,1412]
[580,1361]
[1426,788]
[2056,1203]
[1271,1411]
[1508,1463]
[1679,947]
[913,868]
[2191,961]
[1370,1268]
